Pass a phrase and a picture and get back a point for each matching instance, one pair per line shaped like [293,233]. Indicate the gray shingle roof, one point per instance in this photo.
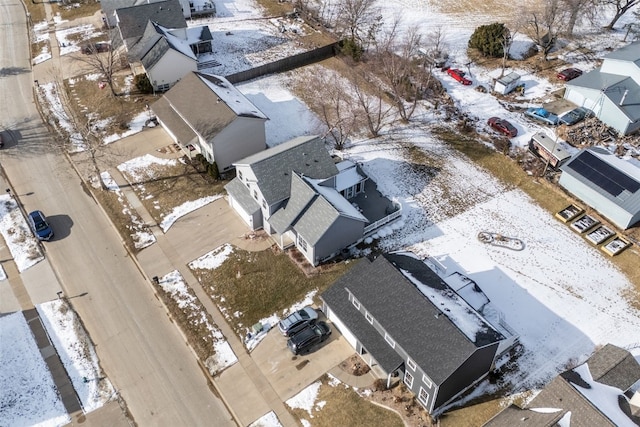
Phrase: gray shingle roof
[133,20]
[338,299]
[431,339]
[159,44]
[513,416]
[241,194]
[614,366]
[317,219]
[167,115]
[301,195]
[199,106]
[614,87]
[273,167]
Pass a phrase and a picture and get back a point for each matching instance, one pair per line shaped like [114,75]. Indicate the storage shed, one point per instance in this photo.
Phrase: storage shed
[507,84]
[605,182]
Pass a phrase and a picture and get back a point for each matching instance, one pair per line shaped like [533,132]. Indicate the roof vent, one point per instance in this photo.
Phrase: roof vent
[624,96]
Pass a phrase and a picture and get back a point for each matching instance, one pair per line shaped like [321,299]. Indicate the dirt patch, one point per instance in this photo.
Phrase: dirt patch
[402,401]
[354,365]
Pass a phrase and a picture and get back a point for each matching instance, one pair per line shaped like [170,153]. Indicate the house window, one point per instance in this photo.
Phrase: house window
[369,317]
[302,244]
[359,187]
[423,396]
[390,340]
[356,303]
[411,364]
[163,87]
[264,204]
[255,194]
[427,381]
[408,379]
[240,175]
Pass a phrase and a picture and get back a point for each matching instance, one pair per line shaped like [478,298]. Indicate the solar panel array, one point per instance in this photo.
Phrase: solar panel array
[603,174]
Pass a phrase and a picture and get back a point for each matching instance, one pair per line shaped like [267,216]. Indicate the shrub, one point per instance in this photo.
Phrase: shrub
[212,170]
[352,48]
[488,39]
[143,84]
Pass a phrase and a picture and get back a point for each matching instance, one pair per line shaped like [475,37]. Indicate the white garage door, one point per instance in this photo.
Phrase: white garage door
[346,333]
[239,209]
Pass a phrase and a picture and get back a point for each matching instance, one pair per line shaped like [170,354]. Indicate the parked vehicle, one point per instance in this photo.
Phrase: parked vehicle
[308,337]
[542,115]
[297,321]
[569,74]
[1,141]
[574,116]
[548,149]
[40,226]
[502,126]
[459,76]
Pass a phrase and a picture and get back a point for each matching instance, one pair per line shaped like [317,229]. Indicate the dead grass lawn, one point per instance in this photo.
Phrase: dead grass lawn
[122,221]
[76,9]
[254,285]
[345,407]
[36,11]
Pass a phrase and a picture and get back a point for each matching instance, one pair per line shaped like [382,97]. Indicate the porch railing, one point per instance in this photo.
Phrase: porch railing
[387,219]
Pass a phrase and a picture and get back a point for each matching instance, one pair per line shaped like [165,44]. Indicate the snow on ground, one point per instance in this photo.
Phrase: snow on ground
[270,419]
[77,354]
[52,99]
[17,235]
[306,399]
[29,396]
[69,38]
[173,283]
[140,232]
[185,208]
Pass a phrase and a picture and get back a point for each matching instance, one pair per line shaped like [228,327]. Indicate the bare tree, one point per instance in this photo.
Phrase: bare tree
[358,20]
[332,104]
[100,58]
[505,42]
[370,97]
[544,26]
[404,76]
[621,7]
[575,10]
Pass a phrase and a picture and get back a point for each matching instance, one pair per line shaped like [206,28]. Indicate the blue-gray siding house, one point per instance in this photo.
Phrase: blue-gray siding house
[403,319]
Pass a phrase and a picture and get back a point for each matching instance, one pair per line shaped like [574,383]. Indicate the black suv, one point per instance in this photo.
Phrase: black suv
[309,337]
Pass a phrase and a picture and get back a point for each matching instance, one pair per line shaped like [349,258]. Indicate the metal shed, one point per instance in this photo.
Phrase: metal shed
[506,84]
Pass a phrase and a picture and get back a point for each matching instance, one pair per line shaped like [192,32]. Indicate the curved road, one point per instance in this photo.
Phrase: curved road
[141,351]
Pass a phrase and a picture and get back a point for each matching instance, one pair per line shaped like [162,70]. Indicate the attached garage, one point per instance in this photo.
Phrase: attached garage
[346,333]
[244,205]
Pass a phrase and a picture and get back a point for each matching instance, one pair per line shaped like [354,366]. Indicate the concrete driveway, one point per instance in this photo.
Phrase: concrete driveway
[289,374]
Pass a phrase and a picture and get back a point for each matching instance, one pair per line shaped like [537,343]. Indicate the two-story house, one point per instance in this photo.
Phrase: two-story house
[402,318]
[206,114]
[305,198]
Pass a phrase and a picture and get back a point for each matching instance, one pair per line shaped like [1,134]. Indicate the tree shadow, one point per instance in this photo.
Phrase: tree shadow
[12,71]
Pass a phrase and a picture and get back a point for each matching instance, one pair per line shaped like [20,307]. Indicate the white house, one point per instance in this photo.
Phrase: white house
[613,91]
[206,114]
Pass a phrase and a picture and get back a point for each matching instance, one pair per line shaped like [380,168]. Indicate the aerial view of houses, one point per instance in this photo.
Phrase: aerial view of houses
[365,212]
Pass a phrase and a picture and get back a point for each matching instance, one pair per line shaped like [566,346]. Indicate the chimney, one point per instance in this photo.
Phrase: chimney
[624,96]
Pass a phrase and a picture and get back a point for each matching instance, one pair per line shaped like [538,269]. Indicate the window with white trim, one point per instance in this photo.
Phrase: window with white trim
[408,379]
[240,175]
[356,303]
[427,381]
[423,396]
[411,364]
[302,244]
[369,317]
[255,194]
[390,340]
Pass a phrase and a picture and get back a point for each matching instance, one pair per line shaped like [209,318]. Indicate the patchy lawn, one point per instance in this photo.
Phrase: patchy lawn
[75,9]
[250,286]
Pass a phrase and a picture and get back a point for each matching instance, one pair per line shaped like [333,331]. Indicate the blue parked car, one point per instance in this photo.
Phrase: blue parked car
[40,226]
[542,115]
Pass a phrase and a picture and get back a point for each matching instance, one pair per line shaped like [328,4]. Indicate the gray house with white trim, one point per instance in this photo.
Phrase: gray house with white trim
[612,92]
[305,198]
[206,114]
[592,394]
[605,182]
[402,318]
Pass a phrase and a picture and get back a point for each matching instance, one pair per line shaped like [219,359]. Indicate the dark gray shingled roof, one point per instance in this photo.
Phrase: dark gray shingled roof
[167,115]
[317,219]
[630,52]
[273,167]
[513,416]
[241,194]
[337,298]
[614,366]
[301,195]
[431,339]
[133,20]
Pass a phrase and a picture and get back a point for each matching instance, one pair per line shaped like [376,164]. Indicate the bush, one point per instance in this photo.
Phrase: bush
[212,170]
[351,48]
[143,84]
[488,39]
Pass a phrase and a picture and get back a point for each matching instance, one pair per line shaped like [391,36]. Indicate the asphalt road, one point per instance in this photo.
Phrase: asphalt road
[141,351]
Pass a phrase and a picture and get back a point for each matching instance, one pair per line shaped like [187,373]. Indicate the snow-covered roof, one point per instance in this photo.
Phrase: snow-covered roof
[336,199]
[348,175]
[231,96]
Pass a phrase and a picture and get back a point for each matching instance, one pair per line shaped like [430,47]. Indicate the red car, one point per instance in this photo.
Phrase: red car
[458,75]
[502,126]
[569,74]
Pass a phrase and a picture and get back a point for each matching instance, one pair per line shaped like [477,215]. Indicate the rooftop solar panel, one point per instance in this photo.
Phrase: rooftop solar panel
[603,174]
